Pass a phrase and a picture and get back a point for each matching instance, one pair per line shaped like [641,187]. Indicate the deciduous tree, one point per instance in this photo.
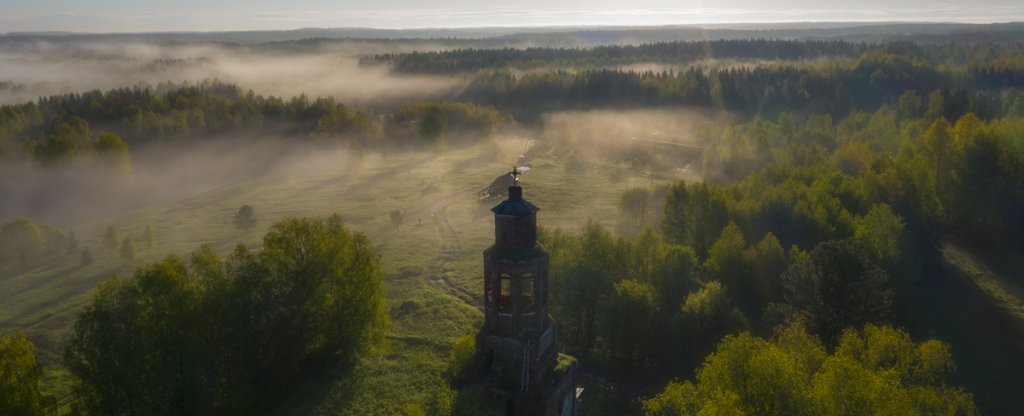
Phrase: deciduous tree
[875,371]
[245,218]
[837,287]
[19,376]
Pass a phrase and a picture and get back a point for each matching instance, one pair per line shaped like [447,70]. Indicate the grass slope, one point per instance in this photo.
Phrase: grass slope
[432,262]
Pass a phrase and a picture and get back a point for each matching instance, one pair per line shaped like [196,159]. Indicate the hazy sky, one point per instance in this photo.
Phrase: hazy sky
[211,15]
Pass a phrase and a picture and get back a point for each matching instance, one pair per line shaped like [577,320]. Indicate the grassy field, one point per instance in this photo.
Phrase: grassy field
[432,261]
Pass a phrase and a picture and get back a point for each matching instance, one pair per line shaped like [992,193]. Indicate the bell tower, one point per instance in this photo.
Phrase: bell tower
[517,347]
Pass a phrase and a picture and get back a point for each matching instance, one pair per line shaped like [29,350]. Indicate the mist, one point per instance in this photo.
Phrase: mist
[616,128]
[40,68]
[73,191]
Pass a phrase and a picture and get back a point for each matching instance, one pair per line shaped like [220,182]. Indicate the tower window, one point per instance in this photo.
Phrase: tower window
[528,294]
[505,292]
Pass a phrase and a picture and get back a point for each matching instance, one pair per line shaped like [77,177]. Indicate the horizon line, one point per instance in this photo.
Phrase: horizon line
[706,25]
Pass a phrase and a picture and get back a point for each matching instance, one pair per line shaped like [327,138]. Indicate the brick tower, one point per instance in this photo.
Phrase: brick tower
[517,347]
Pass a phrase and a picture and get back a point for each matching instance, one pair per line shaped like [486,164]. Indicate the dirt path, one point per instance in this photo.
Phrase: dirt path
[440,271]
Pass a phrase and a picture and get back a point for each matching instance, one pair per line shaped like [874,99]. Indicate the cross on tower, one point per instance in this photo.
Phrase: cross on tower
[515,174]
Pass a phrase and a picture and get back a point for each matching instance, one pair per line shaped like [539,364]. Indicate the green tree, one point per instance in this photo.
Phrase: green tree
[128,249]
[882,232]
[584,269]
[110,237]
[694,216]
[148,236]
[627,325]
[397,216]
[86,258]
[766,261]
[21,242]
[727,263]
[706,316]
[67,137]
[19,376]
[938,142]
[837,287]
[245,218]
[434,123]
[112,147]
[130,324]
[71,245]
[340,121]
[678,273]
[339,277]
[634,205]
[936,105]
[222,337]
[877,371]
[909,106]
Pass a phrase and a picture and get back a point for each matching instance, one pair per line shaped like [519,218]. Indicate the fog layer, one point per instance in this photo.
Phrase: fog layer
[32,69]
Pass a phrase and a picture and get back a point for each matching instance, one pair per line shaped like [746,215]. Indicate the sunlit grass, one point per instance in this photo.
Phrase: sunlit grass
[432,261]
[1004,292]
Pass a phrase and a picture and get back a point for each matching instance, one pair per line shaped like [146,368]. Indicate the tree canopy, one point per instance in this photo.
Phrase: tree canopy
[19,376]
[222,336]
[876,371]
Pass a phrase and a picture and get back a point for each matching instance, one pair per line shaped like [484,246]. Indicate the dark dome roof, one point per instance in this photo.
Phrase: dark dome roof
[515,205]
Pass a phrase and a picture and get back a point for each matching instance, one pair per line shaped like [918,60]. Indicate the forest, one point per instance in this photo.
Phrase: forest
[749,226]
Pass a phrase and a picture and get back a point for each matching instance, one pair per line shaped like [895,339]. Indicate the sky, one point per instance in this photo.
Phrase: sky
[225,15]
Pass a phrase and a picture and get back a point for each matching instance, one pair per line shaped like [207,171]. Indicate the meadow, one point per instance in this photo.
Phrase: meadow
[432,260]
[693,204]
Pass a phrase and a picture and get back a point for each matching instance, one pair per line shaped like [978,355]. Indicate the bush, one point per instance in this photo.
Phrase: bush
[462,357]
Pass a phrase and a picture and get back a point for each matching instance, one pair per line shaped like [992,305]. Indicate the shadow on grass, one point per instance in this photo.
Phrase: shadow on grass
[59,298]
[408,371]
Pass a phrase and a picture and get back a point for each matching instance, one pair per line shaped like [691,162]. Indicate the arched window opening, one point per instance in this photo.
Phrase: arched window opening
[505,292]
[528,294]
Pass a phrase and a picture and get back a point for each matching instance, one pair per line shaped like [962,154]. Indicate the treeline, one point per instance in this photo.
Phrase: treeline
[472,60]
[213,335]
[656,307]
[811,240]
[61,126]
[801,220]
[24,243]
[807,181]
[430,122]
[950,56]
[873,79]
[652,309]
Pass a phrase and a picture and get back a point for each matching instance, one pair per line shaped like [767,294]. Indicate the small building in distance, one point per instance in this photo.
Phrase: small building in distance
[518,364]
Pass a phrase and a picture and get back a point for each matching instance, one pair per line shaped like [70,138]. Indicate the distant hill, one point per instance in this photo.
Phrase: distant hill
[578,36]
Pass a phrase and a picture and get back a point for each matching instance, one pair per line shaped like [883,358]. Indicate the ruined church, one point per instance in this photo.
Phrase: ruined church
[518,364]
